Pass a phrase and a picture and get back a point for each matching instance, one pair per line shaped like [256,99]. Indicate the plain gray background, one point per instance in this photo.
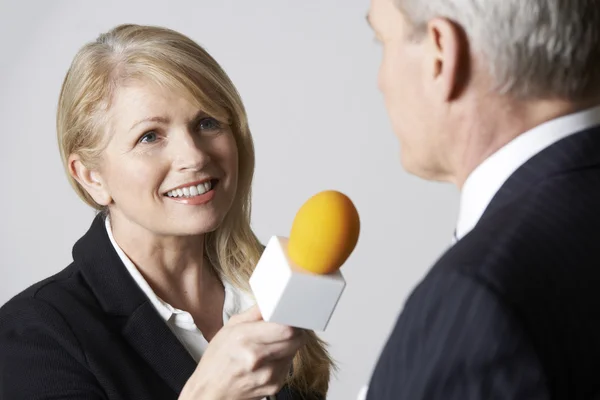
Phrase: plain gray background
[306,71]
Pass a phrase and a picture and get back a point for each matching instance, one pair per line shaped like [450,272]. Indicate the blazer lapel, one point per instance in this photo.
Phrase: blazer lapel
[119,296]
[153,340]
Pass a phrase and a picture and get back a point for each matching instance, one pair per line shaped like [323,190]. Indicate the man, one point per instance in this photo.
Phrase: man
[501,98]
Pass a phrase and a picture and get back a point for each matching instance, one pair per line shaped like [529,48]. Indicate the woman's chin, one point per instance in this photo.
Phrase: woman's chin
[195,226]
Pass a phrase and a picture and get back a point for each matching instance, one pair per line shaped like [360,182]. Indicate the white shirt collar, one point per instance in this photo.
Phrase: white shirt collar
[483,183]
[235,300]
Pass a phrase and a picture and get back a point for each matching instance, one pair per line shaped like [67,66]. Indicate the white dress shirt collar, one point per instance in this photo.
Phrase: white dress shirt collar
[483,183]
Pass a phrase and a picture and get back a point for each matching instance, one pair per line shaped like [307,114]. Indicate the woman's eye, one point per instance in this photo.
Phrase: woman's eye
[148,137]
[209,124]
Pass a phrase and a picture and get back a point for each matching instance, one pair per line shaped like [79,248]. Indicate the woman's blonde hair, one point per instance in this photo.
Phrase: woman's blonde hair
[170,59]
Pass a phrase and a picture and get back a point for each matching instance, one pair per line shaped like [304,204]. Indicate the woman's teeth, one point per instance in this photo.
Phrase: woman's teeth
[191,191]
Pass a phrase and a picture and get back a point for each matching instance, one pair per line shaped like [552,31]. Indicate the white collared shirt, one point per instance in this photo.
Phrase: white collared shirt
[181,322]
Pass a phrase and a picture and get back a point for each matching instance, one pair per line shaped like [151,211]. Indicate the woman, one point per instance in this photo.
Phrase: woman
[156,303]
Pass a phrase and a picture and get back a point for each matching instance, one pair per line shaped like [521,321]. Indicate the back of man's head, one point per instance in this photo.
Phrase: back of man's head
[533,48]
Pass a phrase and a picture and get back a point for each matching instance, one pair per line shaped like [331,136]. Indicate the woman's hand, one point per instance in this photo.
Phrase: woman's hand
[247,359]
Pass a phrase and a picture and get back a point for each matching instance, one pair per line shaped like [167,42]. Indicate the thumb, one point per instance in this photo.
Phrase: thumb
[250,315]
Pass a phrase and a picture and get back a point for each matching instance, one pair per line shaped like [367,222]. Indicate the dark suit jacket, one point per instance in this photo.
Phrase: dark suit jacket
[89,332]
[512,311]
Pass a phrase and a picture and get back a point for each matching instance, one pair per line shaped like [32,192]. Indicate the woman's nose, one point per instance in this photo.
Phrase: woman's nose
[189,153]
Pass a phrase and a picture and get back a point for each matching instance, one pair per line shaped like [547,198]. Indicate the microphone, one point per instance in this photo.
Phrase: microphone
[297,281]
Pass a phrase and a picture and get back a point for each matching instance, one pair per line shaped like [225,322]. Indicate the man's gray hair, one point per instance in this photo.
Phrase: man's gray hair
[533,48]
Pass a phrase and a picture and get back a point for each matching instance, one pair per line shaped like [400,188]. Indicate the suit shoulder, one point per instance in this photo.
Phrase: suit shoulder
[550,229]
[31,326]
[48,290]
[33,313]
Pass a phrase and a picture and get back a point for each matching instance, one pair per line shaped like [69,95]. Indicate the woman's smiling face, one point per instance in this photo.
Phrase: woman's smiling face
[168,167]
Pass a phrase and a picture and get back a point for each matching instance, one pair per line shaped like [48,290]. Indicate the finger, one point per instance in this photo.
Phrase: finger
[281,370]
[284,350]
[270,379]
[267,332]
[252,314]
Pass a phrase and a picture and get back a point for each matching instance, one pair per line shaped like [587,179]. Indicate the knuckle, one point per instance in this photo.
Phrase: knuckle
[287,332]
[266,378]
[270,381]
[272,389]
[252,360]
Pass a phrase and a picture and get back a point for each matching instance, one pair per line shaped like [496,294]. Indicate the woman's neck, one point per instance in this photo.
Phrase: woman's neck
[175,267]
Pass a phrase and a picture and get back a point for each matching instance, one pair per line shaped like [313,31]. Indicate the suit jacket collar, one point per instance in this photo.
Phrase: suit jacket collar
[113,286]
[119,296]
[575,152]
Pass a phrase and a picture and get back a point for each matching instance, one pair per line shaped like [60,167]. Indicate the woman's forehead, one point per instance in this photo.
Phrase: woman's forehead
[138,99]
[146,97]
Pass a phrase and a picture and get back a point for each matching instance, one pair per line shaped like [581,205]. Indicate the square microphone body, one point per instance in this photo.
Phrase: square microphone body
[297,281]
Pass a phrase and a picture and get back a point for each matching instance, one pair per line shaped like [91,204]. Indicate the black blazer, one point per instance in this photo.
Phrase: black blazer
[89,332]
[512,311]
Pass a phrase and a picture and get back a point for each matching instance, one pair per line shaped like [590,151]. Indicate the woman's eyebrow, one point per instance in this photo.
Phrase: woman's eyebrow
[163,120]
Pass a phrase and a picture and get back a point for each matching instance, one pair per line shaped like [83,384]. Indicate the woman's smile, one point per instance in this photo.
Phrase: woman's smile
[194,193]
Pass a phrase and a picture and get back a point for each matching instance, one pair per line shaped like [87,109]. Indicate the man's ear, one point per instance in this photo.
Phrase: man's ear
[90,180]
[448,59]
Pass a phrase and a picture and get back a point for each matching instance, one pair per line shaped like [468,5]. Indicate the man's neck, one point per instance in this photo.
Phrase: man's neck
[498,124]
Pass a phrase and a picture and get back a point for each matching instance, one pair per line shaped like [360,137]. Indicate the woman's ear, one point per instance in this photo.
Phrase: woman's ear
[90,180]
